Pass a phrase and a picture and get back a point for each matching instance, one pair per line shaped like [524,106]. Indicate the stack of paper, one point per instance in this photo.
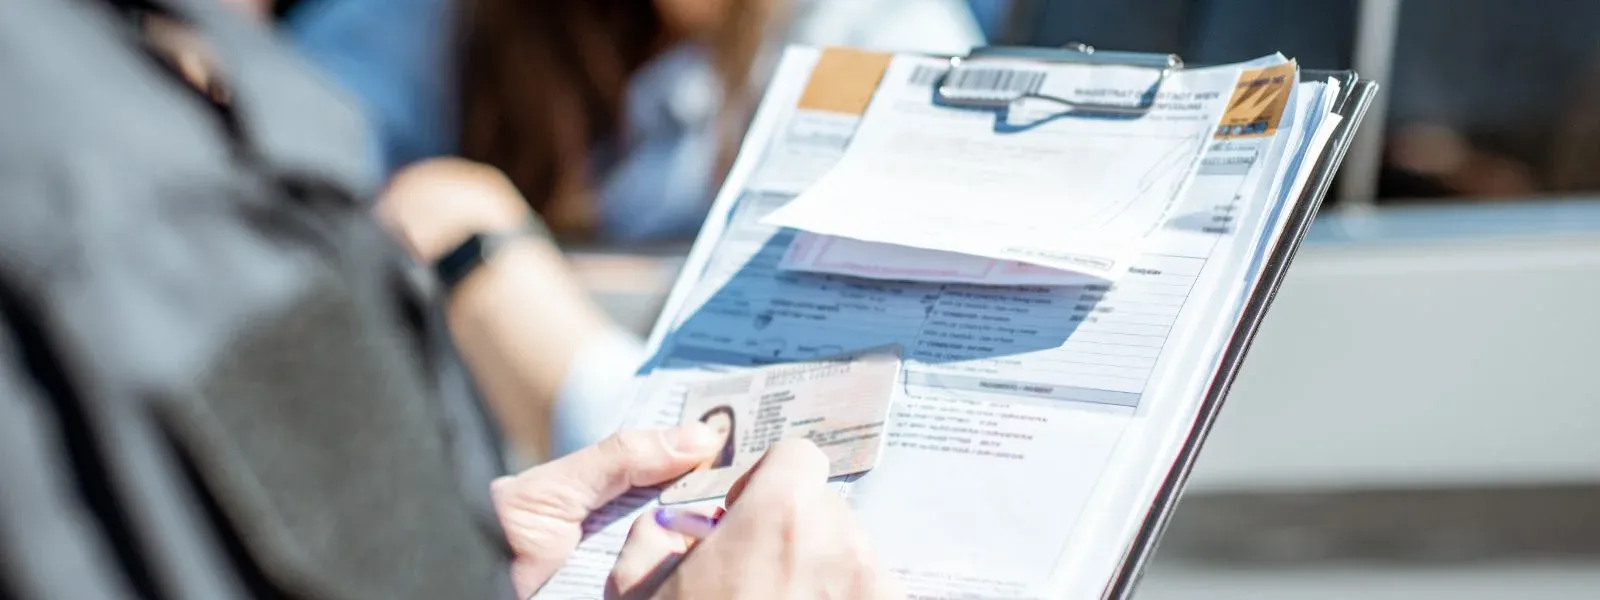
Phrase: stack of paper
[1061,298]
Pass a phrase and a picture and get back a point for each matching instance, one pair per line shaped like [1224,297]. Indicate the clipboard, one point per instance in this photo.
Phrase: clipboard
[1355,97]
[1352,103]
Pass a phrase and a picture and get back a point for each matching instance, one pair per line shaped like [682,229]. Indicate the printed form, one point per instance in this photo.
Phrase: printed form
[1249,119]
[1019,408]
[1070,190]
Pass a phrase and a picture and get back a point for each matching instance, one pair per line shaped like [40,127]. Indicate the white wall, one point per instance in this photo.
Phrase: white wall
[1418,364]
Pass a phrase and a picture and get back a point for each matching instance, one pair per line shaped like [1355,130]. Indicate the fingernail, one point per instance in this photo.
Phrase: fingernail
[719,513]
[665,517]
[688,523]
[696,438]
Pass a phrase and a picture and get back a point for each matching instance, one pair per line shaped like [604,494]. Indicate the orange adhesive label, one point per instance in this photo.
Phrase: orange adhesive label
[1258,102]
[844,80]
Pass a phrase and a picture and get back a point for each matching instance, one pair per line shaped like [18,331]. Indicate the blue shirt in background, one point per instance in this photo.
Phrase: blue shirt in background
[394,57]
[991,16]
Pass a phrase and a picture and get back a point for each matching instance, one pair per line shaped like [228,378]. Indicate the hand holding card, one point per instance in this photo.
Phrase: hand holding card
[839,403]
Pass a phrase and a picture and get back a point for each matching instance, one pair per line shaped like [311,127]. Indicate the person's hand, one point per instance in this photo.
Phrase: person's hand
[542,509]
[433,206]
[785,535]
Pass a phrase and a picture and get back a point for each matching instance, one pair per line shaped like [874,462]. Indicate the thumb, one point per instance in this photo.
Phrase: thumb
[630,459]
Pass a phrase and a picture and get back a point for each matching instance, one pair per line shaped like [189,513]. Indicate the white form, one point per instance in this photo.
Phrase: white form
[1081,193]
[1240,141]
[1015,400]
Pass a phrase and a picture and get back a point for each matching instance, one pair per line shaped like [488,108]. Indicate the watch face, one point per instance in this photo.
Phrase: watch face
[455,266]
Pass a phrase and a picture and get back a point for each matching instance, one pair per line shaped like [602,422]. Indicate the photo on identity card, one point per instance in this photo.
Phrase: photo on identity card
[841,403]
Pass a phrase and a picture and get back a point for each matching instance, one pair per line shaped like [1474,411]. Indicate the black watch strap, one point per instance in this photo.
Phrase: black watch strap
[459,263]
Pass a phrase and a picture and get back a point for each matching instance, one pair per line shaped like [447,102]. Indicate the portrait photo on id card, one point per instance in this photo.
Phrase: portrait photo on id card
[840,403]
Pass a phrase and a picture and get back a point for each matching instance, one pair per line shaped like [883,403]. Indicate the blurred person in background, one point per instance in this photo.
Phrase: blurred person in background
[599,119]
[217,382]
[615,118]
[1489,99]
[554,368]
[612,117]
[609,120]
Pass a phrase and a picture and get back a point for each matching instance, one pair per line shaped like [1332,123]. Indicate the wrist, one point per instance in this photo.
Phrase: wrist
[478,249]
[529,276]
[448,236]
[516,259]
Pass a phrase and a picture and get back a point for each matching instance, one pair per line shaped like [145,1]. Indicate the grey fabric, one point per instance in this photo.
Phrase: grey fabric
[216,378]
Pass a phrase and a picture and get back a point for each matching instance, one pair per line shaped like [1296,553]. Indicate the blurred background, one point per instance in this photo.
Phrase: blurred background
[1419,417]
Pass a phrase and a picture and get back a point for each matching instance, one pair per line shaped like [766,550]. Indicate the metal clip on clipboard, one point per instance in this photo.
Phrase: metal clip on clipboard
[993,95]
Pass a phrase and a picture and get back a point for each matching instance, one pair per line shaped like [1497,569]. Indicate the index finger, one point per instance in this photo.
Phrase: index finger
[649,555]
[789,466]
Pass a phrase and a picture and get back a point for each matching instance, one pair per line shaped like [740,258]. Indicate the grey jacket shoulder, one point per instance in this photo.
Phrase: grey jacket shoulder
[215,379]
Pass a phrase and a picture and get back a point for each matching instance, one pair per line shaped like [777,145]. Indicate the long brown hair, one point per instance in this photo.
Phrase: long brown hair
[543,83]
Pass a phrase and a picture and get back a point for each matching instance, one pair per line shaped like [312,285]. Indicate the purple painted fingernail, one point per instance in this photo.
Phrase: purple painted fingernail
[686,522]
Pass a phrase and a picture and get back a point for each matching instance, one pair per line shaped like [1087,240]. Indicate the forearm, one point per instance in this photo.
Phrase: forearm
[521,323]
[520,318]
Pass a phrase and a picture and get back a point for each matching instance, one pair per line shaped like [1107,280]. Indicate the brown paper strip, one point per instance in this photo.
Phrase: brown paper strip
[844,80]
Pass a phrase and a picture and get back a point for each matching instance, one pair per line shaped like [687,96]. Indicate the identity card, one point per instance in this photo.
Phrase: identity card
[840,403]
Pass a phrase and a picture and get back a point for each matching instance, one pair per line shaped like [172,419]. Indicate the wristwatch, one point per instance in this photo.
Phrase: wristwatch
[456,265]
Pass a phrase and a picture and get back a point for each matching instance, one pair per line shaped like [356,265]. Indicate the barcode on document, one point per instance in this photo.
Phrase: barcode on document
[925,75]
[982,79]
